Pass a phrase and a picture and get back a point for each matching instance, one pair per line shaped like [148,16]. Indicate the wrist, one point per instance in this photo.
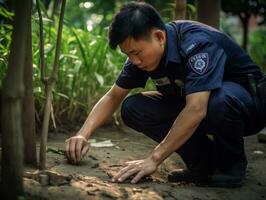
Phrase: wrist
[156,157]
[86,136]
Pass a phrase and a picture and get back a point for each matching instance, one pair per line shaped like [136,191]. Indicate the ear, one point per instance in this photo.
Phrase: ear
[159,35]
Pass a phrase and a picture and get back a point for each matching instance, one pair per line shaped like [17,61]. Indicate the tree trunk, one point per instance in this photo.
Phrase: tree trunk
[245,35]
[180,9]
[45,125]
[28,109]
[208,12]
[12,96]
[245,20]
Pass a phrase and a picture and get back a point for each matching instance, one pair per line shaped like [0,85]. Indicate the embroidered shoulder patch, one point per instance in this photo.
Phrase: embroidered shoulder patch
[199,62]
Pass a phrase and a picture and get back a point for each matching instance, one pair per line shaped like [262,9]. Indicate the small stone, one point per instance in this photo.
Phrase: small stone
[44,179]
[258,152]
[57,179]
[95,165]
[137,190]
[262,136]
[90,185]
[91,191]
[31,175]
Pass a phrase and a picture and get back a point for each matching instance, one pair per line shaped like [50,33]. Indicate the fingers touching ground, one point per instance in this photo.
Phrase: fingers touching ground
[76,147]
[138,177]
[72,150]
[139,168]
[125,173]
[84,150]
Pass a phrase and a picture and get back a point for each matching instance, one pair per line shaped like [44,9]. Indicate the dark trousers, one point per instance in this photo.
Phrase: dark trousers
[232,114]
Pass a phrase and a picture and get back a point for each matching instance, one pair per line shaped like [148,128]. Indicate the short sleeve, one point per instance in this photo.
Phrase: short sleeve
[205,62]
[131,76]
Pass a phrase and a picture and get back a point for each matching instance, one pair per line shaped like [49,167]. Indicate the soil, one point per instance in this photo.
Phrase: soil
[91,178]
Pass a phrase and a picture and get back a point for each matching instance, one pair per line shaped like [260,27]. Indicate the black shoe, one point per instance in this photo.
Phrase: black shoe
[226,181]
[231,178]
[189,176]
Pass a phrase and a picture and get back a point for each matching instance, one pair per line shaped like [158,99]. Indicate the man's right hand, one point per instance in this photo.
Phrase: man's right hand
[76,148]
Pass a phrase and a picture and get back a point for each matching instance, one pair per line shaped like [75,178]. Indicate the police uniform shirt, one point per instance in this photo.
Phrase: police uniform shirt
[199,61]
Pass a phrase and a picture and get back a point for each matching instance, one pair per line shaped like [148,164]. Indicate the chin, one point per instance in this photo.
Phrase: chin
[149,69]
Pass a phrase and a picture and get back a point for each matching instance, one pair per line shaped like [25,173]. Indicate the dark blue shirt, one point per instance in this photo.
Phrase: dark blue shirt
[200,60]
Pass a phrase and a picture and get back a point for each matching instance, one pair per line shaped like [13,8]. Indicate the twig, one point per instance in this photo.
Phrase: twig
[42,60]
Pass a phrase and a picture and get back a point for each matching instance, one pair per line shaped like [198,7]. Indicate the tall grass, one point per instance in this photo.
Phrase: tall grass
[5,40]
[87,69]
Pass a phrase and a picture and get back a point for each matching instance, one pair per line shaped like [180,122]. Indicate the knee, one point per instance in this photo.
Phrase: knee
[217,102]
[128,109]
[220,107]
[223,104]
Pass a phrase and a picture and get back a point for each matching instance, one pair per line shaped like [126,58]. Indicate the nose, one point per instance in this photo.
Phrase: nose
[135,60]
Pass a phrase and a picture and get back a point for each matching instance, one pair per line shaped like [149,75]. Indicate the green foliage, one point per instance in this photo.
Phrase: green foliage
[87,68]
[257,47]
[21,198]
[238,7]
[6,14]
[244,8]
[80,11]
[191,12]
[5,40]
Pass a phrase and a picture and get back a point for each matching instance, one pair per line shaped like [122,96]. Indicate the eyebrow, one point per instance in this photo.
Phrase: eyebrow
[132,51]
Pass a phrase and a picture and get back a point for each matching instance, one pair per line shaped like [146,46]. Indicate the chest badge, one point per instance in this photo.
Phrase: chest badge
[199,62]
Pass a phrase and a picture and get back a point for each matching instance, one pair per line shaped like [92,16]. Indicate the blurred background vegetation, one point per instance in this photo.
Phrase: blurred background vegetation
[88,68]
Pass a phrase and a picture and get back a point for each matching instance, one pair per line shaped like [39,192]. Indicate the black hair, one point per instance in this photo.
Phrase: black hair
[135,19]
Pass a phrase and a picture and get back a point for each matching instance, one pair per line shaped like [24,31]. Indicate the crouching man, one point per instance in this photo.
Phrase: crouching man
[203,81]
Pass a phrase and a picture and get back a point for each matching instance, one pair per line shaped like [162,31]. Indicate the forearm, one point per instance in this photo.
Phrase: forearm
[102,111]
[182,129]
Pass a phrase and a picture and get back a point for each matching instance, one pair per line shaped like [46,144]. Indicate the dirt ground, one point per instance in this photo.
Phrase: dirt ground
[91,179]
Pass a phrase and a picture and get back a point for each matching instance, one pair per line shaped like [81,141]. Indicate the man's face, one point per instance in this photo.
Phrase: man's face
[145,53]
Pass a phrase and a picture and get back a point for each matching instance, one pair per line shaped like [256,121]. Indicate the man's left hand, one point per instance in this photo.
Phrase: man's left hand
[139,168]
